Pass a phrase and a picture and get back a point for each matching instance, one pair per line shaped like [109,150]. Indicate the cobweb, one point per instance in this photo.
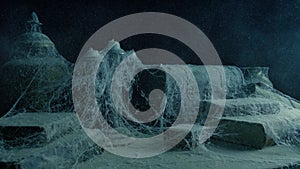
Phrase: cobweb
[241,83]
[42,94]
[41,85]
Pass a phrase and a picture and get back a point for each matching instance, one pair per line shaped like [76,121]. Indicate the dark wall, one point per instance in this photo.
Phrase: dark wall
[245,33]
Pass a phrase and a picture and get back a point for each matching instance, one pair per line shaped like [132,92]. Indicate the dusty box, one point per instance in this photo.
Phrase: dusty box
[244,106]
[260,130]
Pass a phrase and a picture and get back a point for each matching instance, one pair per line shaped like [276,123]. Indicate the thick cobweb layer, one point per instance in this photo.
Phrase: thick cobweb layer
[37,85]
[253,83]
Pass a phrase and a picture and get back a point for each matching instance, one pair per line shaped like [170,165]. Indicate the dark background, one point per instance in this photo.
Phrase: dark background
[245,33]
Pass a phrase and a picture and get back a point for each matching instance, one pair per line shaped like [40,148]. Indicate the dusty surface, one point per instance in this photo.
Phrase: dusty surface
[205,156]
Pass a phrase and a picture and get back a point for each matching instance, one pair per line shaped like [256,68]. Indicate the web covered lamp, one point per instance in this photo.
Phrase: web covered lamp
[36,78]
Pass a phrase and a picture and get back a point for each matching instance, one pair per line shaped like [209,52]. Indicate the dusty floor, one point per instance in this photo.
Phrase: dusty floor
[205,156]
